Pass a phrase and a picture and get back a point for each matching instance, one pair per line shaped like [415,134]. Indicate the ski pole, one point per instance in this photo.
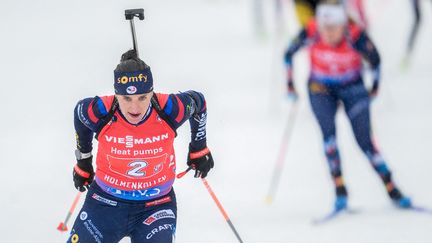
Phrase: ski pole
[130,14]
[282,152]
[216,200]
[221,209]
[63,225]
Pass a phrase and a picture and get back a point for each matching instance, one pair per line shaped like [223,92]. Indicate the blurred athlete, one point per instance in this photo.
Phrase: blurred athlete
[415,27]
[336,52]
[305,10]
[131,192]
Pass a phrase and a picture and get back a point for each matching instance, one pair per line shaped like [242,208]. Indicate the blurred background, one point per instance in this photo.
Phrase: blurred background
[54,53]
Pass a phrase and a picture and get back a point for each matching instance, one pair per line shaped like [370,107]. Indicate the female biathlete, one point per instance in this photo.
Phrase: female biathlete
[336,52]
[131,193]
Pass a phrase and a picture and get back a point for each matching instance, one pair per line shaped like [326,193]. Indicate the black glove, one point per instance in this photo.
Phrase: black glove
[373,92]
[200,160]
[292,92]
[83,174]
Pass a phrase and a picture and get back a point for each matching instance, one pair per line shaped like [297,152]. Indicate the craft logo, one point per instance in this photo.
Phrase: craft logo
[159,229]
[125,79]
[162,214]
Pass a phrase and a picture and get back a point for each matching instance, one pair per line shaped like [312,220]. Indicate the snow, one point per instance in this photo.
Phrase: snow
[56,52]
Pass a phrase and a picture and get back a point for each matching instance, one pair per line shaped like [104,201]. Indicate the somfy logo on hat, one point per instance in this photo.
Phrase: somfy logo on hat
[133,82]
[131,90]
[126,79]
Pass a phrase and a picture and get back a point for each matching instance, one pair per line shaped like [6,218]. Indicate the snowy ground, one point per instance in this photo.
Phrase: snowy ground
[56,52]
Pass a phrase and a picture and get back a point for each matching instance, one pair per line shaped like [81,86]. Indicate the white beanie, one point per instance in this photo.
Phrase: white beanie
[331,14]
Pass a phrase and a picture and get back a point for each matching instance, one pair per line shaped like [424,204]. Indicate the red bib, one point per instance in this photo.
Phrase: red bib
[136,162]
[341,64]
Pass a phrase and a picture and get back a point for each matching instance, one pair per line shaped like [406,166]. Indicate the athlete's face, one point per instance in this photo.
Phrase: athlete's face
[332,34]
[134,107]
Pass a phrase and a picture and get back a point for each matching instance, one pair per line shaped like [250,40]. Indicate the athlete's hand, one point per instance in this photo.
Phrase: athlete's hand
[292,92]
[200,160]
[83,174]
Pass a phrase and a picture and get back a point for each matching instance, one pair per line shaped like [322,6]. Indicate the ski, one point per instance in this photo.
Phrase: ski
[333,215]
[336,213]
[419,209]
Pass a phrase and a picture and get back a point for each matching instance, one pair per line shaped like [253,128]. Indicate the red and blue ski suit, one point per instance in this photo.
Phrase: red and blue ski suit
[132,194]
[336,78]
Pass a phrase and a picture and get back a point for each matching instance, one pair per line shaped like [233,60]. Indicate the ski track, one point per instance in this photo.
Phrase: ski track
[56,52]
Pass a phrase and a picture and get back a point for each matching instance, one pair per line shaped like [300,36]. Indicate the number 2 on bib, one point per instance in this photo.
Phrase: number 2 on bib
[138,166]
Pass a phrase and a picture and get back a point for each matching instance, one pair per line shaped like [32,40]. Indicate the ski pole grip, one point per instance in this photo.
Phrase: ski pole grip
[131,13]
[181,174]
